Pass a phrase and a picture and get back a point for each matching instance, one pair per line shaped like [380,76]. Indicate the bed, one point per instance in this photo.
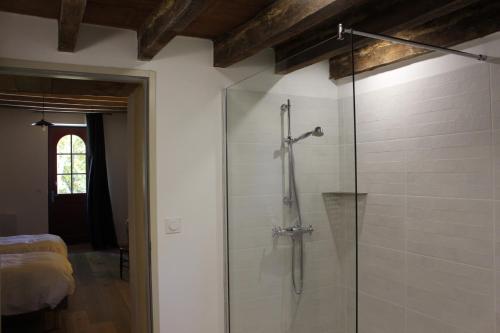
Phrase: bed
[33,243]
[34,281]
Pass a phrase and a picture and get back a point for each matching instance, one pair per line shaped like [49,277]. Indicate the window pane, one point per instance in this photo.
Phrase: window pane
[63,184]
[63,164]
[64,145]
[79,164]
[79,184]
[78,145]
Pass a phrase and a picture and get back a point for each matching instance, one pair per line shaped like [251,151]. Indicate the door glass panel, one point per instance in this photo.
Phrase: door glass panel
[79,184]
[63,184]
[64,164]
[79,164]
[64,145]
[78,145]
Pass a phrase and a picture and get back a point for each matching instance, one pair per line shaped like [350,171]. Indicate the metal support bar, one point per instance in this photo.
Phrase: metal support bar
[396,40]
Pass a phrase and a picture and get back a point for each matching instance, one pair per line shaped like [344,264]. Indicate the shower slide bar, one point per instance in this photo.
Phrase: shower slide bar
[342,31]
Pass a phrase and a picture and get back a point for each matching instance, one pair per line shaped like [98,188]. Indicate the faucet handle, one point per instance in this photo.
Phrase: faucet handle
[294,231]
[278,231]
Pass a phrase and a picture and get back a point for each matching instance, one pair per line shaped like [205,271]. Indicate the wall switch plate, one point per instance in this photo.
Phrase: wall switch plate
[173,225]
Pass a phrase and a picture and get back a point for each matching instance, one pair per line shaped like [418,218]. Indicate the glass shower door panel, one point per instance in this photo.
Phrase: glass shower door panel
[262,295]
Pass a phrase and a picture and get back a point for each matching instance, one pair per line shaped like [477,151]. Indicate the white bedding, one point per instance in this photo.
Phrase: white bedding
[33,243]
[34,281]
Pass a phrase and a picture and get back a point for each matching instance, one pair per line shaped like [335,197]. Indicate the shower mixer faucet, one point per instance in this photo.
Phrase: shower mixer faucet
[294,232]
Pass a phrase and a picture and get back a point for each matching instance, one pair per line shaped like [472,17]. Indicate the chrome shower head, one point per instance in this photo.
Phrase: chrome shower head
[318,131]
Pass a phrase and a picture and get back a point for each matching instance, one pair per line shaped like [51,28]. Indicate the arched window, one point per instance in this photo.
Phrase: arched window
[71,165]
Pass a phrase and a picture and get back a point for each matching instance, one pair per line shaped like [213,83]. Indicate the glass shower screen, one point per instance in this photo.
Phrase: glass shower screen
[290,225]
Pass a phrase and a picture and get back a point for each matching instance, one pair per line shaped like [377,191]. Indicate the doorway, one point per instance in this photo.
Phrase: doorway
[68,183]
[139,174]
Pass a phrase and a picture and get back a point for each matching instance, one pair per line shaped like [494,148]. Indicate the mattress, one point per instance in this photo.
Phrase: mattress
[33,243]
[34,281]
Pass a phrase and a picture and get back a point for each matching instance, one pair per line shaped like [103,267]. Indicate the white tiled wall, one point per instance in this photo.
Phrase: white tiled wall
[429,227]
[428,158]
[261,295]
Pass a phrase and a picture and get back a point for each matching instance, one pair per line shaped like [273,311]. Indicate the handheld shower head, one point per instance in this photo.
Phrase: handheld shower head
[318,131]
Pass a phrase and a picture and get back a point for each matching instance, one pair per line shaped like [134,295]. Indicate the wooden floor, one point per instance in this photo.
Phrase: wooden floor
[100,304]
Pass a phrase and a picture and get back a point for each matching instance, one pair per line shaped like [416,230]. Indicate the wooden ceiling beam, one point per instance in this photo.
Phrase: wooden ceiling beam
[386,17]
[83,98]
[166,22]
[62,108]
[467,24]
[70,18]
[63,103]
[80,101]
[280,21]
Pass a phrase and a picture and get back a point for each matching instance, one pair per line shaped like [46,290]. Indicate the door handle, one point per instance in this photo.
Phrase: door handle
[52,196]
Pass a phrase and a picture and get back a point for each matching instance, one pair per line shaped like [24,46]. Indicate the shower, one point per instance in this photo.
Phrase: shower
[297,230]
[316,132]
[359,232]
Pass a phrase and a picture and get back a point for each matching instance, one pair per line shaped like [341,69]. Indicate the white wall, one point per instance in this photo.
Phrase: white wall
[24,169]
[311,81]
[189,153]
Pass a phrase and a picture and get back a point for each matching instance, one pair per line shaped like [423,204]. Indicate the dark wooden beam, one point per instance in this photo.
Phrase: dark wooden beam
[59,108]
[464,25]
[387,17]
[65,103]
[73,100]
[280,21]
[167,21]
[70,18]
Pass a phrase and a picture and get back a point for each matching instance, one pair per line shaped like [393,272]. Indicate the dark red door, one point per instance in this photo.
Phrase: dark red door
[68,183]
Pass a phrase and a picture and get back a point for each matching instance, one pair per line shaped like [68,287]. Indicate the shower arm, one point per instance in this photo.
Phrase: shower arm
[342,31]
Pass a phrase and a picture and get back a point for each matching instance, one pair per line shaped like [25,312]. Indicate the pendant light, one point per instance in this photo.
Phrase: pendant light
[42,122]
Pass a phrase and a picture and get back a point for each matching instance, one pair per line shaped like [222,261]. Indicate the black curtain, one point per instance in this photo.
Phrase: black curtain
[99,211]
